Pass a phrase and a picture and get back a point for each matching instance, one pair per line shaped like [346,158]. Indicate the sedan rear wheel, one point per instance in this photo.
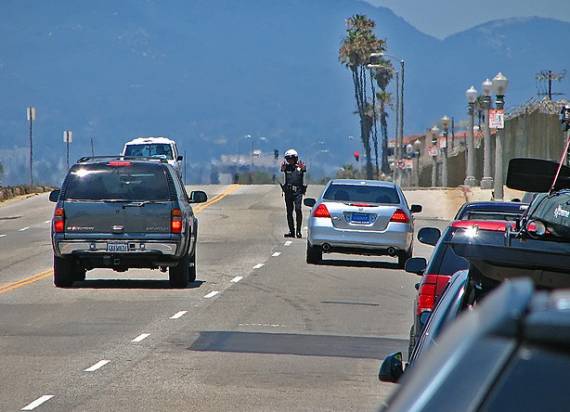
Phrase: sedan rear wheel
[402,257]
[314,254]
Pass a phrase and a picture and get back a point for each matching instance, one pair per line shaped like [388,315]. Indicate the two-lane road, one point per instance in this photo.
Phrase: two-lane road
[259,330]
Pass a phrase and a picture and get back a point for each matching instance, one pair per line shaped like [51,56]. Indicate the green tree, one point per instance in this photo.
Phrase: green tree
[354,53]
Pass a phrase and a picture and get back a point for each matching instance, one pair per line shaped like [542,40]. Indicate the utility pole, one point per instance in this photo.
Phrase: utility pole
[92,148]
[396,150]
[67,139]
[31,114]
[400,143]
[548,76]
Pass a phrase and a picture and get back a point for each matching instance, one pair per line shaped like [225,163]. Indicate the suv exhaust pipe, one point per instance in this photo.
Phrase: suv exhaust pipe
[392,251]
[326,247]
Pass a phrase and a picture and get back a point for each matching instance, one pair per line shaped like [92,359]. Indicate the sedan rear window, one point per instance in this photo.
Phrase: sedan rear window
[369,194]
[132,182]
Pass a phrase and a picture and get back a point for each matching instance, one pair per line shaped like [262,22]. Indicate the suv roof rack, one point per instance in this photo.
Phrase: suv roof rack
[86,159]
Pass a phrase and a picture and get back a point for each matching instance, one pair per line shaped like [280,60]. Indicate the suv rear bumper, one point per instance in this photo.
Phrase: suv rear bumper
[99,247]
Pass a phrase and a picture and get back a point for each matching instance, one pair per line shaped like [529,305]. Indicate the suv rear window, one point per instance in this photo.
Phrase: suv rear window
[149,150]
[370,194]
[135,182]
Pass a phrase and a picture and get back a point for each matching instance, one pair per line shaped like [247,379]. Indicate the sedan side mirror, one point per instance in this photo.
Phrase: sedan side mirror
[309,202]
[416,265]
[392,368]
[197,196]
[416,208]
[54,195]
[180,158]
[429,235]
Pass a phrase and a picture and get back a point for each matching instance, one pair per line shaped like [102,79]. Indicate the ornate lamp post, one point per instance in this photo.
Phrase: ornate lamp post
[417,152]
[500,83]
[487,181]
[445,121]
[434,136]
[471,95]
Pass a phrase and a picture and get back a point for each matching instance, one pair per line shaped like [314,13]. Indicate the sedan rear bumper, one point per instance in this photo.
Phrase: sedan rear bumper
[397,235]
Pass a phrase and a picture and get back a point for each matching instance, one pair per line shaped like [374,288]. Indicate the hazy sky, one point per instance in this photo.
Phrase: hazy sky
[441,18]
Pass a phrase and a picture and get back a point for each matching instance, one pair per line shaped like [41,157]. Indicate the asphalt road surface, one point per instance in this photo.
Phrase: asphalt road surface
[260,330]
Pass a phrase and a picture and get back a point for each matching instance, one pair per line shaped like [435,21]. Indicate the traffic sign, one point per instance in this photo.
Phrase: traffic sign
[496,118]
[67,136]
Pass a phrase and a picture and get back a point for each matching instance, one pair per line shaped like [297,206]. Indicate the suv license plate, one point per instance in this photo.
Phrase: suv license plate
[360,218]
[117,247]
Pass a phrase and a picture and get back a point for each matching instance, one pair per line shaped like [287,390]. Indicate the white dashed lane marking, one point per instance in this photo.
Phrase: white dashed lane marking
[288,243]
[141,337]
[98,365]
[211,294]
[47,221]
[2,235]
[37,402]
[276,254]
[236,279]
[258,266]
[24,228]
[179,314]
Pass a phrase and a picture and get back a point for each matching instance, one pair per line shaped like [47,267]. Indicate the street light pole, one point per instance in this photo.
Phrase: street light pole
[471,95]
[500,83]
[434,135]
[31,114]
[445,120]
[417,152]
[67,139]
[401,142]
[487,180]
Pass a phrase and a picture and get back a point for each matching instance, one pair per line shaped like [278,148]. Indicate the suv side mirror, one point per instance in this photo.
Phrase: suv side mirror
[416,208]
[197,196]
[392,368]
[54,195]
[416,265]
[309,202]
[180,158]
[429,235]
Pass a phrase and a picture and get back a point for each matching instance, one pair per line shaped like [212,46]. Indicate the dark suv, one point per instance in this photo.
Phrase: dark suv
[121,213]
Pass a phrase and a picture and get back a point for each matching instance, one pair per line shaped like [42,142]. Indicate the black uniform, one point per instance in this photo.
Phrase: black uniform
[294,189]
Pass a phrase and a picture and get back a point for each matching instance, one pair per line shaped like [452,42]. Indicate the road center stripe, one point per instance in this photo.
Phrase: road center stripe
[236,279]
[37,402]
[179,314]
[98,365]
[141,337]
[211,294]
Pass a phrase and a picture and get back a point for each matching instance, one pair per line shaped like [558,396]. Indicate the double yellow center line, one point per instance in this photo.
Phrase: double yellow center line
[48,273]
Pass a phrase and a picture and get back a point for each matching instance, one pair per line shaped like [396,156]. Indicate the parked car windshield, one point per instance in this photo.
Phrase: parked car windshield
[150,150]
[135,182]
[370,194]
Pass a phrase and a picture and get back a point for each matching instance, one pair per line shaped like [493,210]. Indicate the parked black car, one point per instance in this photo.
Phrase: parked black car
[512,353]
[121,213]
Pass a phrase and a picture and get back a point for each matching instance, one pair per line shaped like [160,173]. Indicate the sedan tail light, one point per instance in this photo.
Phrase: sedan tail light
[430,290]
[59,220]
[321,211]
[400,216]
[176,221]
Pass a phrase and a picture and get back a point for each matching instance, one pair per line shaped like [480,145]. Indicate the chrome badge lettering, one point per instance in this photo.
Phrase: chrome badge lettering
[561,212]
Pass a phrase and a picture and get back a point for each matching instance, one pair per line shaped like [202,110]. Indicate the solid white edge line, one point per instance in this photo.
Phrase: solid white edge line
[24,228]
[141,337]
[37,402]
[258,266]
[98,365]
[179,314]
[276,254]
[211,294]
[236,279]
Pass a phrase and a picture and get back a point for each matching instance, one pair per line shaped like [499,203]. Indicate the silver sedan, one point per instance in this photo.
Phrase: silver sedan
[367,217]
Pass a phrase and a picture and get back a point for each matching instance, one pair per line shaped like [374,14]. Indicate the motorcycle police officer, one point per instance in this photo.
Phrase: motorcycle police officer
[294,188]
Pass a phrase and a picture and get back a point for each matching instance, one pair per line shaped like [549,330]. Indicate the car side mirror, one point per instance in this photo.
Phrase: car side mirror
[54,195]
[416,208]
[310,202]
[392,368]
[429,235]
[416,265]
[180,158]
[197,196]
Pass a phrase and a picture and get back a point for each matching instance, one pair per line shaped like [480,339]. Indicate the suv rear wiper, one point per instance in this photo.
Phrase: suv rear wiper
[142,203]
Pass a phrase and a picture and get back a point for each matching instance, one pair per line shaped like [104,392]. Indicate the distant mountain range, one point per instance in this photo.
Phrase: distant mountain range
[208,72]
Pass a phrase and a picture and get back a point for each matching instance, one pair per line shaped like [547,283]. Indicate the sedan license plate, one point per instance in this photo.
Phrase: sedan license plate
[360,218]
[117,247]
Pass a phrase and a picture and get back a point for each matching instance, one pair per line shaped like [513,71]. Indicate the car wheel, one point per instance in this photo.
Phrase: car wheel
[314,254]
[178,275]
[63,271]
[79,273]
[412,342]
[192,268]
[402,257]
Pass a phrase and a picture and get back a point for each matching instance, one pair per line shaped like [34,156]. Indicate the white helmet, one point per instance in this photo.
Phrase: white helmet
[291,153]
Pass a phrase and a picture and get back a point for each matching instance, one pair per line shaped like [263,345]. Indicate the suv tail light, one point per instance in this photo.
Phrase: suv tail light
[119,163]
[321,211]
[400,216]
[431,288]
[176,221]
[59,220]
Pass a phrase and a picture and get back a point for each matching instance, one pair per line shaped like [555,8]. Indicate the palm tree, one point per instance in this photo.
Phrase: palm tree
[354,53]
[382,78]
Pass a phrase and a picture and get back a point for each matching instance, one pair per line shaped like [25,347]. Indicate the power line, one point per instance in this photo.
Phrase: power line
[545,78]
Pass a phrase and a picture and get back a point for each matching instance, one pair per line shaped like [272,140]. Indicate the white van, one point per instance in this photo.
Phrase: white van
[155,147]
